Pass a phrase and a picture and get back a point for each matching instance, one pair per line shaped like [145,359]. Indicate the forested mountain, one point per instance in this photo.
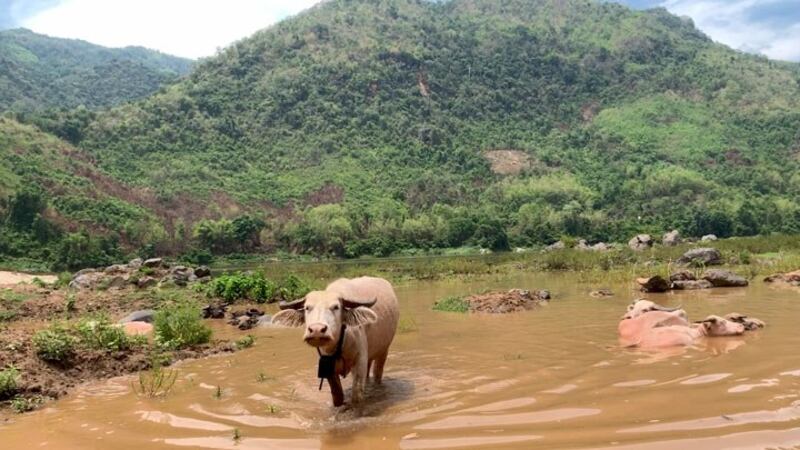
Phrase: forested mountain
[39,72]
[366,127]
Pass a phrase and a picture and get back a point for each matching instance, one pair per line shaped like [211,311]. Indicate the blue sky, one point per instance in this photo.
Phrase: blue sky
[196,28]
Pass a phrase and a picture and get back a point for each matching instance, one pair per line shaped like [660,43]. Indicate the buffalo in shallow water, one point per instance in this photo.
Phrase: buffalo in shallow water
[351,324]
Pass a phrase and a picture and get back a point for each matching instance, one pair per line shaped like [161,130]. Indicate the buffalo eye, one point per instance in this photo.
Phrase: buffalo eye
[335,308]
[309,308]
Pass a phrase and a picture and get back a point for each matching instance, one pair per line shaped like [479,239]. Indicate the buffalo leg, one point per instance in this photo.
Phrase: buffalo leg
[377,373]
[337,393]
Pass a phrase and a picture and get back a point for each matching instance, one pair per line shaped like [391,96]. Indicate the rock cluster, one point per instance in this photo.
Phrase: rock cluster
[792,278]
[242,319]
[685,280]
[139,273]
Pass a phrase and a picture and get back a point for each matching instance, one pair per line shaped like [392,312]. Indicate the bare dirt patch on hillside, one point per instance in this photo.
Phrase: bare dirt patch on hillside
[508,162]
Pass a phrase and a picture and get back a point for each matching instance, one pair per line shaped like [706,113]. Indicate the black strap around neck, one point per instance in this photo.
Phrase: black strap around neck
[327,363]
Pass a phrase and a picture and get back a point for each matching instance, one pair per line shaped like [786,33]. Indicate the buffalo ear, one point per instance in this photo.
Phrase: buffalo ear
[354,317]
[289,318]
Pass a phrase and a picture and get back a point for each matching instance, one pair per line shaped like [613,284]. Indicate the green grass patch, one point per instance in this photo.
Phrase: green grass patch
[452,304]
[55,344]
[8,382]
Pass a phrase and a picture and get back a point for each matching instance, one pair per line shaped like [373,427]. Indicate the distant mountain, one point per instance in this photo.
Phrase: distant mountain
[368,127]
[39,72]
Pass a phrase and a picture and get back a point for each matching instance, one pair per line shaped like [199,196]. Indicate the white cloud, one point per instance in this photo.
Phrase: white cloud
[190,28]
[730,22]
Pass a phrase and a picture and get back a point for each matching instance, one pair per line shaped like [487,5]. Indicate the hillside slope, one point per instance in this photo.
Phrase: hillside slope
[364,127]
[39,72]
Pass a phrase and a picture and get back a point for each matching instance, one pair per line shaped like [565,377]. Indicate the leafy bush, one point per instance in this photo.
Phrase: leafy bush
[179,326]
[246,341]
[8,382]
[54,344]
[101,334]
[293,287]
[256,287]
[452,304]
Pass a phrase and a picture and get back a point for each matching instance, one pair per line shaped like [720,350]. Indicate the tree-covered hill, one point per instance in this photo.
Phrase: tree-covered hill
[39,72]
[366,127]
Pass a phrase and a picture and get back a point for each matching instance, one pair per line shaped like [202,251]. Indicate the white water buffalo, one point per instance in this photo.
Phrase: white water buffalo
[648,325]
[352,324]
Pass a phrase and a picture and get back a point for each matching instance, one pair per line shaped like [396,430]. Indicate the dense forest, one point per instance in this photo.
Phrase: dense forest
[39,72]
[374,127]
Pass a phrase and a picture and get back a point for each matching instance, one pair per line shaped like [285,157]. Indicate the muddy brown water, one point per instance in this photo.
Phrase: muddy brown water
[550,378]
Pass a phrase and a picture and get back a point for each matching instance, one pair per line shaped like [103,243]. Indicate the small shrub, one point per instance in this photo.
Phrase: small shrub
[54,344]
[246,342]
[100,334]
[452,304]
[157,382]
[69,303]
[180,326]
[36,281]
[8,382]
[20,404]
[63,280]
[7,315]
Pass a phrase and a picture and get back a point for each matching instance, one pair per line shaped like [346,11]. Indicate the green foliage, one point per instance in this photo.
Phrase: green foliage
[55,344]
[246,341]
[100,333]
[452,304]
[361,138]
[20,404]
[41,72]
[155,383]
[8,382]
[180,326]
[254,286]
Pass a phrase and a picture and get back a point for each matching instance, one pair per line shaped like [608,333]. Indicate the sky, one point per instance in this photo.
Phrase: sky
[197,28]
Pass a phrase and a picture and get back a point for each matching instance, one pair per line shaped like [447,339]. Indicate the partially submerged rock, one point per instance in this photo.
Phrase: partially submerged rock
[655,283]
[724,278]
[683,275]
[246,320]
[705,256]
[601,293]
[145,315]
[689,285]
[214,312]
[503,302]
[641,242]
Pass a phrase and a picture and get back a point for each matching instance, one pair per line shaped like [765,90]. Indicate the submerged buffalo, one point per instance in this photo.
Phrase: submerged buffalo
[648,325]
[352,324]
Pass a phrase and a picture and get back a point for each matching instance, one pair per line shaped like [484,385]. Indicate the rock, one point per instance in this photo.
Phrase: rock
[214,312]
[87,280]
[83,272]
[116,269]
[601,293]
[709,238]
[202,272]
[146,282]
[600,247]
[671,239]
[641,242]
[135,264]
[706,256]
[153,262]
[558,245]
[683,275]
[181,274]
[543,294]
[117,282]
[654,284]
[145,315]
[582,245]
[137,328]
[689,285]
[246,320]
[724,278]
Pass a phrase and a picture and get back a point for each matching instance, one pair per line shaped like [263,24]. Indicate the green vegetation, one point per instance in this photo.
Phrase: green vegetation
[20,404]
[451,304]
[8,382]
[366,132]
[255,287]
[55,344]
[100,333]
[155,383]
[180,325]
[245,342]
[41,72]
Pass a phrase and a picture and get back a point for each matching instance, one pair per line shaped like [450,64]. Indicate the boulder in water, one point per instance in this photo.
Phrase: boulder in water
[724,278]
